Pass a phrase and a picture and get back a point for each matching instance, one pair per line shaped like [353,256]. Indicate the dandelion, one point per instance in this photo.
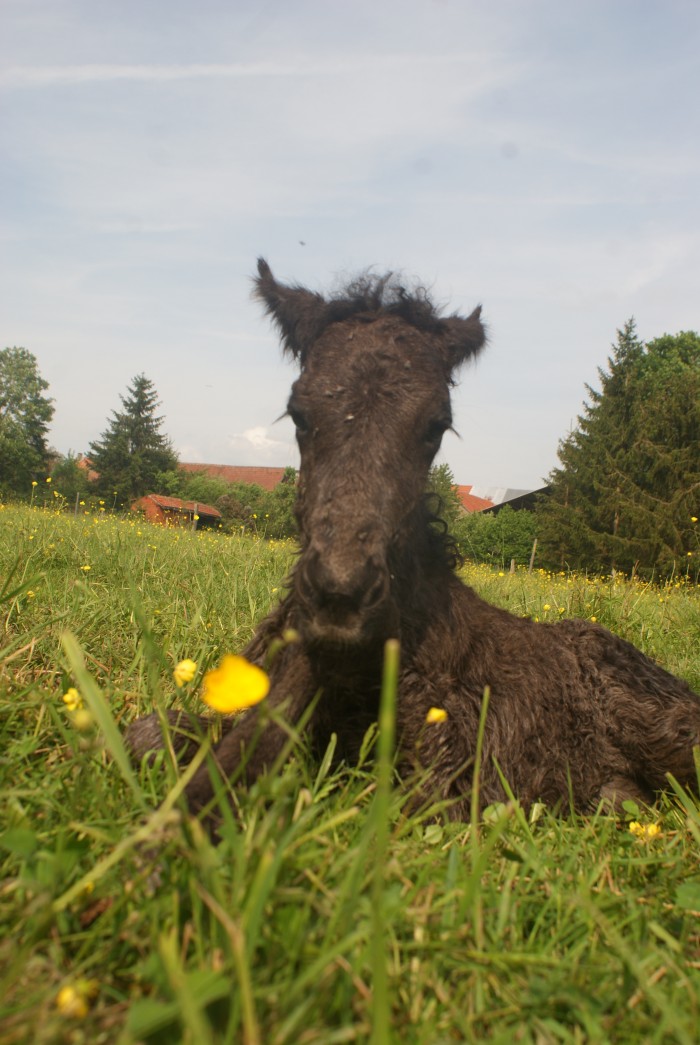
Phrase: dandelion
[184,671]
[72,699]
[645,832]
[236,684]
[435,715]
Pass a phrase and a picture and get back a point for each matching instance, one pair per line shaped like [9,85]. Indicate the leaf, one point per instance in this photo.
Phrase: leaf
[20,841]
[688,895]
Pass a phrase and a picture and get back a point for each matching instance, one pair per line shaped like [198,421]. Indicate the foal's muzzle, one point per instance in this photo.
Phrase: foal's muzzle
[344,599]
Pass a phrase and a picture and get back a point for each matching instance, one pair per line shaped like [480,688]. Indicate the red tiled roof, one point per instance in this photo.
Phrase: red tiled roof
[268,478]
[470,502]
[177,505]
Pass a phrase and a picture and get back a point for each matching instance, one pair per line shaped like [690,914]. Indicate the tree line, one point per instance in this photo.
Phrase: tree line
[625,495]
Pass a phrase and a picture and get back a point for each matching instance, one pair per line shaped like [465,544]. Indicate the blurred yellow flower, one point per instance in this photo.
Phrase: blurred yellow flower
[73,1000]
[436,715]
[49,479]
[644,831]
[236,684]
[72,699]
[86,568]
[546,606]
[693,518]
[184,671]
[34,482]
[82,719]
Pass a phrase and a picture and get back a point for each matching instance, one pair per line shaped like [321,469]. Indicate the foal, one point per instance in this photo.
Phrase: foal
[575,714]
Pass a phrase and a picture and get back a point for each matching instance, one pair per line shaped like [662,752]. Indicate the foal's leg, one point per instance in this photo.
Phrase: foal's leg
[254,742]
[654,716]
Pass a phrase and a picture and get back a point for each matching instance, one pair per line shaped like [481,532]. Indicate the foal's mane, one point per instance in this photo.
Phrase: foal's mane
[373,295]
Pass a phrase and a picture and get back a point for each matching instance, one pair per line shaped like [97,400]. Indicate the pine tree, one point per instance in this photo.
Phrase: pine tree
[132,452]
[629,483]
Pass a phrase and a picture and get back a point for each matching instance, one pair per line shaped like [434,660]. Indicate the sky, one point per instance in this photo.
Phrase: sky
[541,158]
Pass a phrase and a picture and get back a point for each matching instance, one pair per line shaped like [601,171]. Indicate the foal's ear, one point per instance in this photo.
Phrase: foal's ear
[463,338]
[300,314]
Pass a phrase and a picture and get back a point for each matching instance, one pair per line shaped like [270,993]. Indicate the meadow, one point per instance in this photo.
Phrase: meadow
[329,912]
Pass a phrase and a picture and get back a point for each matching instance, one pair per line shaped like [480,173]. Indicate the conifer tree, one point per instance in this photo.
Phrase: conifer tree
[629,480]
[132,452]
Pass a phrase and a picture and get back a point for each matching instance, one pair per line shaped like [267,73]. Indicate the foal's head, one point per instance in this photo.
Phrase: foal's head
[370,408]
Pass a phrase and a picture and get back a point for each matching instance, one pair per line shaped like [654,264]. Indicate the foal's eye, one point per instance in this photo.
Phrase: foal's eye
[435,431]
[300,422]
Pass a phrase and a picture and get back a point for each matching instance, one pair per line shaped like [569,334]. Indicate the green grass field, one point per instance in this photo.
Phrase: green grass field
[327,913]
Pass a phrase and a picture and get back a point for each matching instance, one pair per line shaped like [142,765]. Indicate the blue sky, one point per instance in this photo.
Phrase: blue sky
[541,157]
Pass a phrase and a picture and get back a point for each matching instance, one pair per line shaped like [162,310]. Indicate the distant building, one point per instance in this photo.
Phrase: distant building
[470,501]
[171,511]
[268,478]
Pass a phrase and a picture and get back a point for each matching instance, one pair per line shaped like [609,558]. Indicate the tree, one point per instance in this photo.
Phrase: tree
[25,413]
[132,452]
[629,481]
[444,500]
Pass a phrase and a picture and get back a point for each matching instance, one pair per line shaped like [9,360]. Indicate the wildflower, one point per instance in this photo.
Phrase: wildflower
[72,699]
[435,715]
[83,503]
[49,479]
[82,719]
[86,568]
[594,619]
[644,831]
[546,606]
[34,482]
[236,684]
[184,671]
[73,1000]
[693,518]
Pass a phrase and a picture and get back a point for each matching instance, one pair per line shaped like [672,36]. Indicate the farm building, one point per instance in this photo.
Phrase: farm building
[171,511]
[266,477]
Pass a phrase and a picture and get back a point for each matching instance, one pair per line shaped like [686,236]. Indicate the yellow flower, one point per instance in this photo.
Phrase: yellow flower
[82,719]
[644,831]
[693,518]
[49,479]
[546,606]
[34,482]
[86,568]
[184,671]
[73,1000]
[72,699]
[435,715]
[236,684]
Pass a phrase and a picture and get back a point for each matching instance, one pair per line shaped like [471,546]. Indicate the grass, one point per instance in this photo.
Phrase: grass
[328,913]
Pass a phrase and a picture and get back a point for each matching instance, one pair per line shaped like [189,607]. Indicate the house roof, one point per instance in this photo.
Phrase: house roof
[471,502]
[175,504]
[266,477]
